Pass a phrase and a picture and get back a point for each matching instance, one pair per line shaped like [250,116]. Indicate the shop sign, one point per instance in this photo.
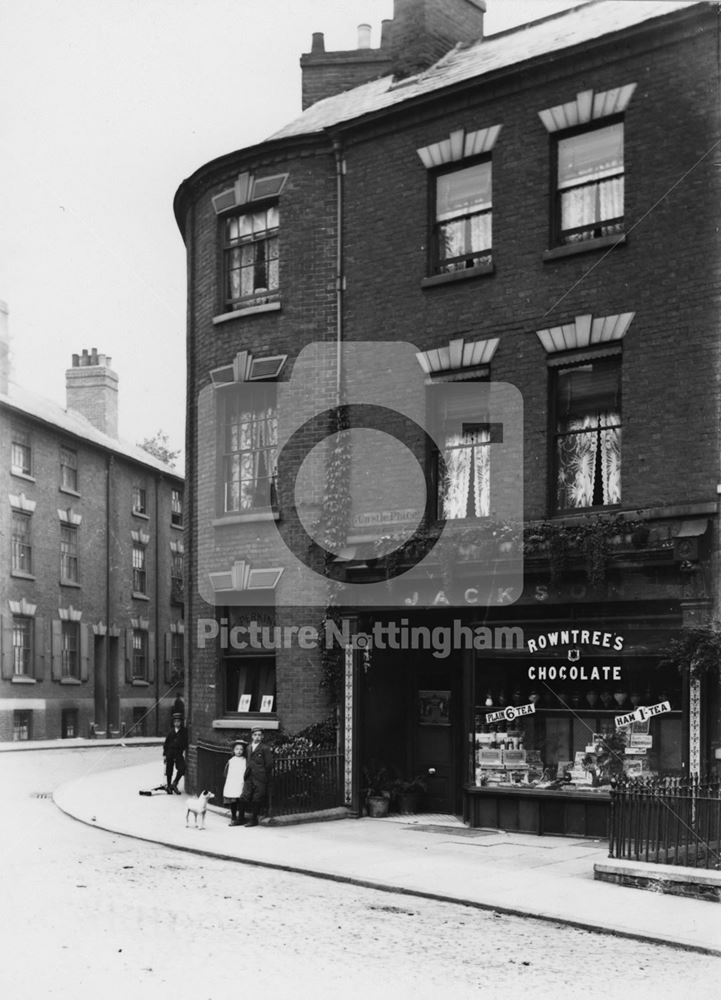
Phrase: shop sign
[373,518]
[510,713]
[642,713]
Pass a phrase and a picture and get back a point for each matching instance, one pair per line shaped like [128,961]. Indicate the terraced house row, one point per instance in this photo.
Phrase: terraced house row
[500,255]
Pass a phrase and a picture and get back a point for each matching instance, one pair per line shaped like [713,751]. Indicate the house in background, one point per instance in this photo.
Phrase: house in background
[91,575]
[536,208]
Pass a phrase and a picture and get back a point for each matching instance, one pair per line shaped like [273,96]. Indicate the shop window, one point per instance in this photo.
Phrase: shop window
[139,664]
[70,650]
[249,431]
[249,683]
[22,645]
[68,470]
[589,183]
[176,508]
[251,256]
[68,554]
[22,725]
[139,573]
[588,434]
[462,220]
[140,501]
[20,453]
[22,551]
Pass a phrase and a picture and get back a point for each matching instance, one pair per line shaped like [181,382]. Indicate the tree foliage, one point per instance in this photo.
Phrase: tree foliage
[158,446]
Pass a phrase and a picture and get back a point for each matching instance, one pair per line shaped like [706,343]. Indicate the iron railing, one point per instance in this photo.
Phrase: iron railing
[302,782]
[669,821]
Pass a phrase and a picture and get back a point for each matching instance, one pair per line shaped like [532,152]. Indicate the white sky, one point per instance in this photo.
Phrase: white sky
[104,108]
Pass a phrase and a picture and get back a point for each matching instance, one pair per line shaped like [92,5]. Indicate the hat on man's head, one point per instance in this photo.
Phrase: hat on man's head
[178,715]
[256,729]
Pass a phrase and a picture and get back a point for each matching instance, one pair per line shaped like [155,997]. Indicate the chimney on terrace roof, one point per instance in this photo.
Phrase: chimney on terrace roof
[91,388]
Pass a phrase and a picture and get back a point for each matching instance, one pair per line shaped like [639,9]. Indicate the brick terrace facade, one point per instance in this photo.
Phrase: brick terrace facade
[661,266]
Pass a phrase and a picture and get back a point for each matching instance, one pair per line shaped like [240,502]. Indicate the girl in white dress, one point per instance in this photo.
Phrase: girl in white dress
[234,775]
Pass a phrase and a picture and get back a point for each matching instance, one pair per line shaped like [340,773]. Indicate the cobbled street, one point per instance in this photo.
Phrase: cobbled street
[90,914]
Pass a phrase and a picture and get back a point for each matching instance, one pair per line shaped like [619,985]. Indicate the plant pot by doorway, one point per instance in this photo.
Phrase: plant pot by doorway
[378,805]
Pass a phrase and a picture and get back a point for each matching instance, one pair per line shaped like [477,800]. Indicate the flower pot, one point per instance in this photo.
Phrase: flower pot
[408,803]
[377,806]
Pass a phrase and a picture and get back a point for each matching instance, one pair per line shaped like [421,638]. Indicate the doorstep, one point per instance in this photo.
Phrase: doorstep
[675,880]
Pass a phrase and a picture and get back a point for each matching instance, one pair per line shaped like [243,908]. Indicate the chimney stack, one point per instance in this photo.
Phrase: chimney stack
[423,31]
[4,349]
[92,390]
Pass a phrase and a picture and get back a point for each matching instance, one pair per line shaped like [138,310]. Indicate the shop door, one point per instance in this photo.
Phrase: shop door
[434,748]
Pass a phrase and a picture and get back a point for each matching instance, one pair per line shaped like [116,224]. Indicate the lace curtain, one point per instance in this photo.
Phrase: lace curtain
[592,203]
[252,458]
[468,461]
[586,439]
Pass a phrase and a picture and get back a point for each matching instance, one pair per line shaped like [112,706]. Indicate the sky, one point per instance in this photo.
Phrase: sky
[105,107]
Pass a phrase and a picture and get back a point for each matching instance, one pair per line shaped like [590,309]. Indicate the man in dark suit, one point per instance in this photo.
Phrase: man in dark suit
[174,747]
[257,777]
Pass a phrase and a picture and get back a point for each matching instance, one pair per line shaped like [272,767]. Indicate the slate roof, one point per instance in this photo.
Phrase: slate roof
[584,23]
[72,422]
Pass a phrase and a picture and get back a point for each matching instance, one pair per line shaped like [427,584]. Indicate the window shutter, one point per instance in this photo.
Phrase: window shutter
[128,655]
[56,649]
[6,647]
[168,655]
[151,657]
[84,653]
[39,649]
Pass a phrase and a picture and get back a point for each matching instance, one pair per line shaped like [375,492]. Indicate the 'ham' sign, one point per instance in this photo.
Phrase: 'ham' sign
[642,713]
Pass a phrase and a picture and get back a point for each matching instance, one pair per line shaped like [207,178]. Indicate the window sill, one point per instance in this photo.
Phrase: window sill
[23,679]
[571,249]
[70,680]
[66,489]
[250,517]
[137,683]
[20,575]
[137,596]
[22,475]
[247,720]
[246,311]
[139,513]
[451,276]
[178,527]
[70,583]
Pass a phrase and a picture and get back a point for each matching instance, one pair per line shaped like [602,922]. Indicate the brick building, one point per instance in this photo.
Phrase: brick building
[530,209]
[91,588]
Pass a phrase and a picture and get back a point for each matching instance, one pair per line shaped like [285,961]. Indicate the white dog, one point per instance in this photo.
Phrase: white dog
[198,806]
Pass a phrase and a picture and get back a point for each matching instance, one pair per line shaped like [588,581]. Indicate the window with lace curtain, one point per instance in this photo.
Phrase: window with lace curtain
[249,430]
[588,434]
[250,256]
[462,230]
[589,183]
[465,489]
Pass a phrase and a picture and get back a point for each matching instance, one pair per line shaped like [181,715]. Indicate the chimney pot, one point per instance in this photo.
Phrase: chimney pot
[318,43]
[386,28]
[364,36]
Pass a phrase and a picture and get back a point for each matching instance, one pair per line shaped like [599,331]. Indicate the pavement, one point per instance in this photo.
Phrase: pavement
[437,857]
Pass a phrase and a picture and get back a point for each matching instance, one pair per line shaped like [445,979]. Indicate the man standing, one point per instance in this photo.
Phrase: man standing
[257,777]
[174,747]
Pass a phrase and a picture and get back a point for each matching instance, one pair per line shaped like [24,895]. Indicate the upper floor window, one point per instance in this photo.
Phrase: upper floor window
[249,429]
[70,649]
[176,508]
[68,553]
[176,577]
[139,664]
[22,645]
[20,453]
[68,470]
[140,503]
[462,225]
[465,490]
[139,575]
[588,434]
[250,255]
[22,552]
[589,183]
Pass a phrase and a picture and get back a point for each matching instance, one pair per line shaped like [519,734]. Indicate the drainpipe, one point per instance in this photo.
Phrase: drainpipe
[157,605]
[339,278]
[108,554]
